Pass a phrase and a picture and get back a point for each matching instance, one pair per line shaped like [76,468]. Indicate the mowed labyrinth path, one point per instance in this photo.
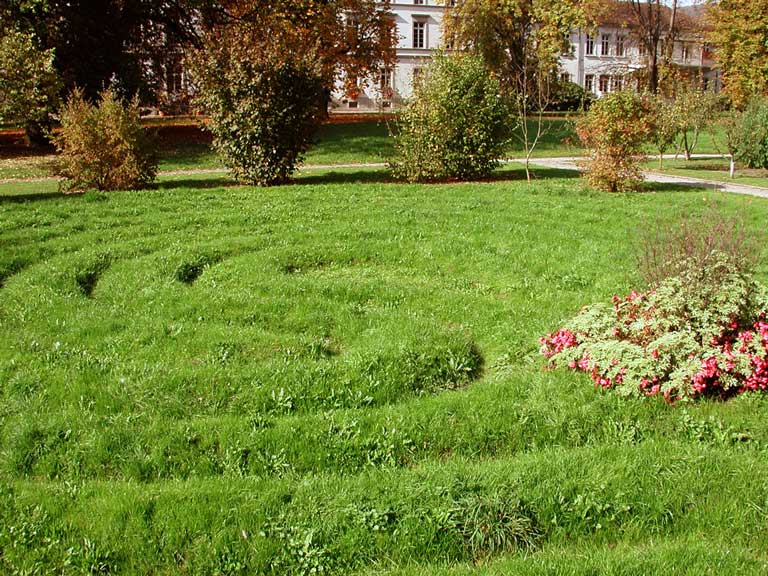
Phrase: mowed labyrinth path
[343,376]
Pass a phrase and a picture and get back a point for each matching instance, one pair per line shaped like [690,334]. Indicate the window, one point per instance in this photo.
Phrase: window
[619,45]
[385,78]
[419,34]
[565,77]
[685,51]
[604,86]
[605,44]
[419,2]
[566,50]
[589,82]
[385,84]
[173,75]
[617,83]
[590,45]
[643,49]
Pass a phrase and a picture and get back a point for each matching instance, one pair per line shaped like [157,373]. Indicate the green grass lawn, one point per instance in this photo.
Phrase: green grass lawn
[342,375]
[711,169]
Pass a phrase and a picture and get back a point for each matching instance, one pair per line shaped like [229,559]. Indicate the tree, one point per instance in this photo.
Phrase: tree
[695,110]
[655,25]
[294,50]
[103,42]
[518,39]
[456,126]
[521,42]
[29,85]
[667,125]
[740,35]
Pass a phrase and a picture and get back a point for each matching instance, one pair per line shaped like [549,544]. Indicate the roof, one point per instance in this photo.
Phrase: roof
[623,14]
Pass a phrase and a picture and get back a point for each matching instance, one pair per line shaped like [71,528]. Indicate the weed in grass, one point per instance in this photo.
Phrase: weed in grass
[709,430]
[493,524]
[301,550]
[95,196]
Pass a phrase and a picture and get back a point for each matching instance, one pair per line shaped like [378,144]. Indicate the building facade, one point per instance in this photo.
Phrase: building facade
[419,33]
[600,61]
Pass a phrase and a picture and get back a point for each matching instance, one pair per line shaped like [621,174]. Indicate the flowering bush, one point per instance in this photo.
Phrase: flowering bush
[689,337]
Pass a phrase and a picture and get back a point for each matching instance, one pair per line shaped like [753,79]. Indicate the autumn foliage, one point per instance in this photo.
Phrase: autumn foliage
[740,33]
[615,129]
[103,145]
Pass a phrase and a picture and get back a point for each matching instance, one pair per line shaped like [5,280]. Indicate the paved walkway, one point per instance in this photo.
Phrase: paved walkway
[573,163]
[563,163]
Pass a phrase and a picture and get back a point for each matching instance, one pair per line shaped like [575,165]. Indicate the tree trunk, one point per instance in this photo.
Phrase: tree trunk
[653,70]
[324,102]
[36,135]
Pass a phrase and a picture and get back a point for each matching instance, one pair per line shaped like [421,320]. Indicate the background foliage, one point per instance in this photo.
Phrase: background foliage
[740,33]
[29,84]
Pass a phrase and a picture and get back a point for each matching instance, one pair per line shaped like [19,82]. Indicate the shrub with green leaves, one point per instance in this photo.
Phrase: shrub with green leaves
[752,136]
[263,112]
[701,333]
[570,97]
[457,125]
[103,145]
[615,129]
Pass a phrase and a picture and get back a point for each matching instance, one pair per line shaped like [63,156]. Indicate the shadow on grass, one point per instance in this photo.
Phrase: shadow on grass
[680,187]
[506,173]
[516,171]
[196,183]
[366,176]
[33,197]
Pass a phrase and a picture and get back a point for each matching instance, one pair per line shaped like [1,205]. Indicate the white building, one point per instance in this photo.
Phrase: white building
[419,33]
[600,62]
[604,60]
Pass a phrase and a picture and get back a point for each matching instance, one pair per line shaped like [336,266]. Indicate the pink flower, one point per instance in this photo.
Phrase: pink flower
[552,344]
